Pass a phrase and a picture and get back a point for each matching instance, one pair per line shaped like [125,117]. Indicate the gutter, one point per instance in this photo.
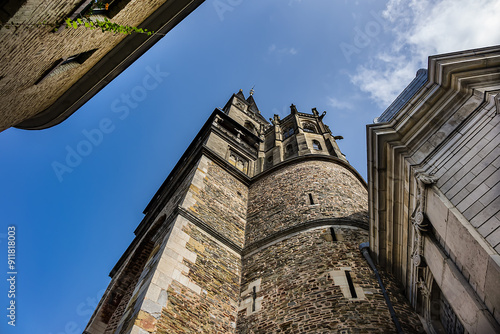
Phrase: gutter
[364,250]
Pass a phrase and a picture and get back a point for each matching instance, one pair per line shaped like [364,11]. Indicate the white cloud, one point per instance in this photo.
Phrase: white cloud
[336,104]
[283,51]
[279,53]
[422,28]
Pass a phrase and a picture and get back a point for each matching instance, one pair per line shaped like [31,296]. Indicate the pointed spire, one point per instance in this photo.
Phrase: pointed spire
[240,95]
[252,105]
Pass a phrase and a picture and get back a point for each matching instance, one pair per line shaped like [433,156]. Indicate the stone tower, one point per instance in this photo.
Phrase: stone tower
[256,230]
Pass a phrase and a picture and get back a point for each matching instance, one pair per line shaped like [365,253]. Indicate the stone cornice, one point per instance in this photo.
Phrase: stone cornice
[301,227]
[308,157]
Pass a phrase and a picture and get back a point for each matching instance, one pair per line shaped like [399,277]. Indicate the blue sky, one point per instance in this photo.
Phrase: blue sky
[350,58]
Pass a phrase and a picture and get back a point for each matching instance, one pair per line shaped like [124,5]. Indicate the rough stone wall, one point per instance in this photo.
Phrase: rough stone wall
[281,199]
[218,199]
[41,48]
[217,271]
[192,283]
[137,265]
[299,295]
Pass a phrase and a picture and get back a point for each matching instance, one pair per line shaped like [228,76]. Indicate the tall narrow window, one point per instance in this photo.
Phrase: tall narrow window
[311,200]
[288,150]
[254,297]
[351,285]
[316,145]
[332,232]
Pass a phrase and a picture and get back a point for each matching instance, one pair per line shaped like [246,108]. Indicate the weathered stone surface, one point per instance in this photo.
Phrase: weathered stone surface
[299,295]
[217,272]
[335,191]
[275,252]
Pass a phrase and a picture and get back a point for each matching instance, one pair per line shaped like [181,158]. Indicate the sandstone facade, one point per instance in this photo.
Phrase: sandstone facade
[434,185]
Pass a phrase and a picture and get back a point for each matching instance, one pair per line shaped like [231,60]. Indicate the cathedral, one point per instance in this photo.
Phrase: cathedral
[264,226]
[257,229]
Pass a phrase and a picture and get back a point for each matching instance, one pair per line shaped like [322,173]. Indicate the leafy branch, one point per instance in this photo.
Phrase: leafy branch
[87,21]
[105,26]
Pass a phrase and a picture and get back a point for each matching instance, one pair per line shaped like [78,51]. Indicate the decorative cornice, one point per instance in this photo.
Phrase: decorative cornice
[302,158]
[302,227]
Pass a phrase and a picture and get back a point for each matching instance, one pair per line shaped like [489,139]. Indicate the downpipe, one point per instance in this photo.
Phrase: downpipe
[364,250]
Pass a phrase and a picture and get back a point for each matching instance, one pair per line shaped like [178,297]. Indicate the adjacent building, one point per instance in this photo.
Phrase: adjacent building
[48,71]
[434,191]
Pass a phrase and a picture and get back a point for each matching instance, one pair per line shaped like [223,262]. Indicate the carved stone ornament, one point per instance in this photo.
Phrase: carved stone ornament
[240,105]
[418,221]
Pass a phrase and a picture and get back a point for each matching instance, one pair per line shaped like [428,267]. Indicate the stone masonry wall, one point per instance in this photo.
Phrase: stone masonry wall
[192,282]
[281,199]
[218,199]
[301,288]
[217,271]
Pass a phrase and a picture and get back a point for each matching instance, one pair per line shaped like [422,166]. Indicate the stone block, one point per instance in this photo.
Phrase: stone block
[494,237]
[437,212]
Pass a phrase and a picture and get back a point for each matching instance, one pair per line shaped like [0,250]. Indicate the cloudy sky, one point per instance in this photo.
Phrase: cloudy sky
[75,215]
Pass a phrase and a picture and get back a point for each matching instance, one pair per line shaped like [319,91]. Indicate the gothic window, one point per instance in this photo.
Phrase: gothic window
[309,127]
[268,163]
[287,132]
[288,150]
[251,127]
[237,161]
[316,145]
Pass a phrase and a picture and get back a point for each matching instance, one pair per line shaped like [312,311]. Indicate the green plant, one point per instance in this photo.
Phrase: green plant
[86,20]
[105,26]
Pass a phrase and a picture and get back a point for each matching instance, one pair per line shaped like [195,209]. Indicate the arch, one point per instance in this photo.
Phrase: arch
[250,126]
[302,227]
[309,127]
[316,145]
[289,150]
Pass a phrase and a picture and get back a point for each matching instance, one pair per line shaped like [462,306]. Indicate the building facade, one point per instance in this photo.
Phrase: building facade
[47,71]
[257,229]
[434,191]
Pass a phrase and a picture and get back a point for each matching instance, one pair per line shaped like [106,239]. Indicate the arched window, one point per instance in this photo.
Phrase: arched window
[288,150]
[287,132]
[249,125]
[316,145]
[309,127]
[237,161]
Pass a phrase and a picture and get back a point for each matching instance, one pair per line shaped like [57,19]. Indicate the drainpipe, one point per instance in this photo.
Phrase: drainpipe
[364,249]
